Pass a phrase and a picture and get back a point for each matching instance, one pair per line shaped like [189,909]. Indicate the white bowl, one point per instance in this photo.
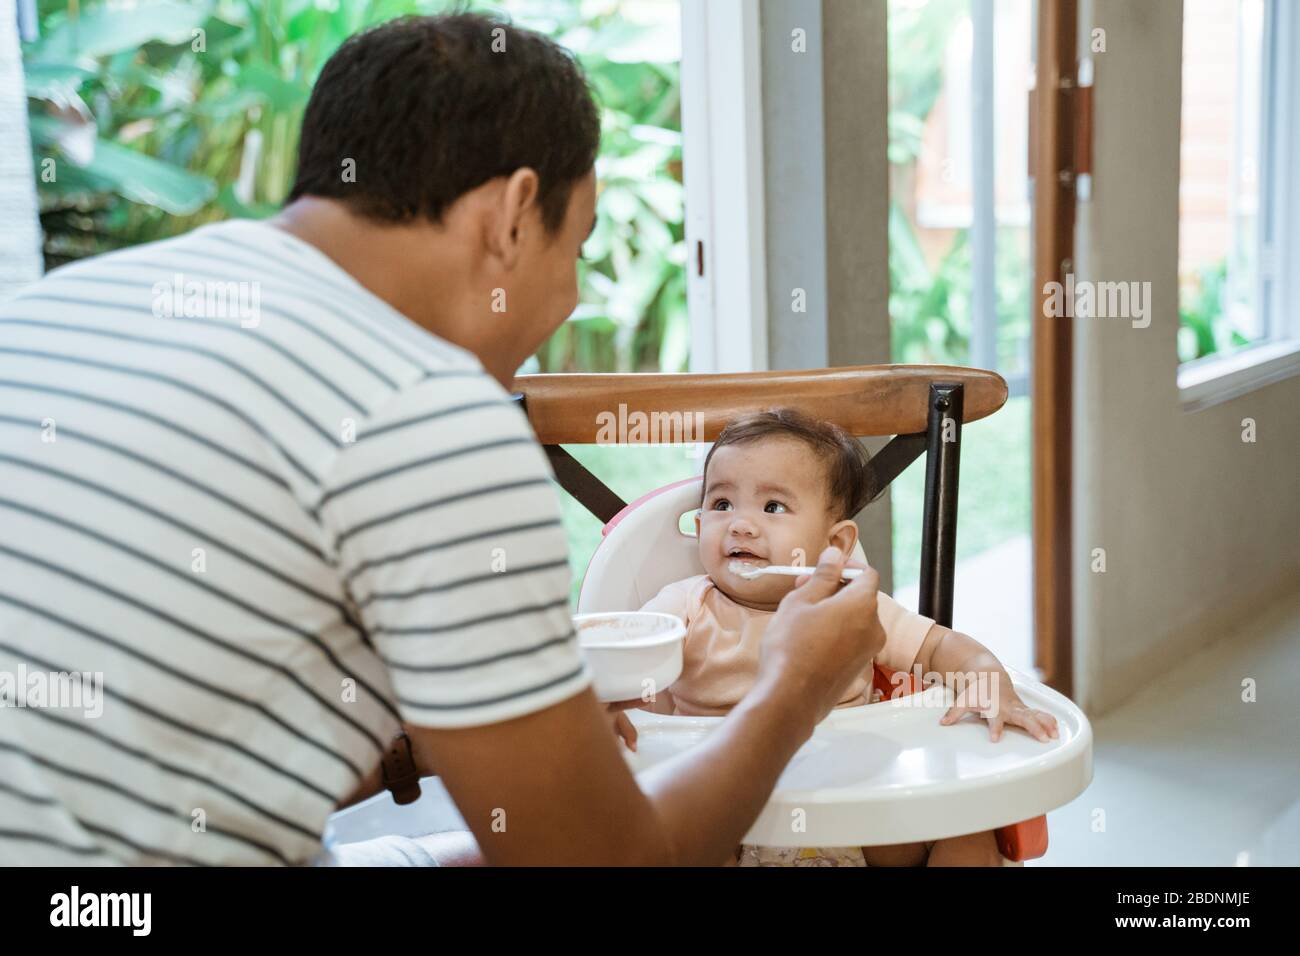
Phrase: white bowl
[631,653]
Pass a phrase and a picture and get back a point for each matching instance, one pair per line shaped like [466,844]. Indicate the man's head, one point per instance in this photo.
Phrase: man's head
[483,132]
[779,487]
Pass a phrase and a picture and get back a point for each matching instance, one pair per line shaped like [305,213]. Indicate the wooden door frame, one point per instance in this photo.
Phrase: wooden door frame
[1060,126]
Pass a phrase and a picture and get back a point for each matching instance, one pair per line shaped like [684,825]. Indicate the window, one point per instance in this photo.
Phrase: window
[631,315]
[1238,249]
[960,273]
[632,310]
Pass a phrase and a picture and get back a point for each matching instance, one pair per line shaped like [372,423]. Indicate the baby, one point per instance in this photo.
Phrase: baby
[779,488]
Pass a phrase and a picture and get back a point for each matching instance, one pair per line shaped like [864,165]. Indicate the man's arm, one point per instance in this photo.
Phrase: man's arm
[551,787]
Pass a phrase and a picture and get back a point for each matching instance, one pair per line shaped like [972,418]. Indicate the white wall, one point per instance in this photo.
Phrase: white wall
[1199,528]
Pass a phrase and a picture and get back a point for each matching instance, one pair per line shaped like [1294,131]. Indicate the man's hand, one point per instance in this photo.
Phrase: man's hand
[823,635]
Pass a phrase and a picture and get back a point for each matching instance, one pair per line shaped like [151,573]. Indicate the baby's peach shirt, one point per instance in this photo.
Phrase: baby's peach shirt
[720,655]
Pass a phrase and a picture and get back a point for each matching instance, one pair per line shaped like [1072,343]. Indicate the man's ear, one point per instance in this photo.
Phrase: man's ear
[516,203]
[844,535]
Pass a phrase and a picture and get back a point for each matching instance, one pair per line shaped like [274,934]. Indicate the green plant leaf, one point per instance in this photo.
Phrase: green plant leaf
[905,252]
[55,81]
[228,201]
[281,95]
[133,175]
[619,203]
[675,345]
[105,30]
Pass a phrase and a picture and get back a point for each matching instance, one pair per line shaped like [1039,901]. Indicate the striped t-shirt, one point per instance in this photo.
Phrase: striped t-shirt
[250,518]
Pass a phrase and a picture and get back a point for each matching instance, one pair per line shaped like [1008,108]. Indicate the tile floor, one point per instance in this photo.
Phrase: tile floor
[1190,775]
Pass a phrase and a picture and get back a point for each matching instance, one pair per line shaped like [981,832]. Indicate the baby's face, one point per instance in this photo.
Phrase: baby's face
[765,502]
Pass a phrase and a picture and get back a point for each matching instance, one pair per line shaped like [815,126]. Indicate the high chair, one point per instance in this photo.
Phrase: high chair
[884,773]
[879,774]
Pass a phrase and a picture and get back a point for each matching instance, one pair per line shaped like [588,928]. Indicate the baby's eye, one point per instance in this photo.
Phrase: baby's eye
[722,504]
[773,504]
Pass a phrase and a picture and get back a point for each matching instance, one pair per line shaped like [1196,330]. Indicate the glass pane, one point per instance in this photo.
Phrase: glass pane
[1218,245]
[631,315]
[959,182]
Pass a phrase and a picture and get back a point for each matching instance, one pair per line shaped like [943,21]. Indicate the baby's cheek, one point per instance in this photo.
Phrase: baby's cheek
[796,551]
[709,535]
[713,564]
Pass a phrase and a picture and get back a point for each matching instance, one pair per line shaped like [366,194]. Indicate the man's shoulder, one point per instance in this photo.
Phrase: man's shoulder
[454,399]
[198,238]
[230,251]
[225,269]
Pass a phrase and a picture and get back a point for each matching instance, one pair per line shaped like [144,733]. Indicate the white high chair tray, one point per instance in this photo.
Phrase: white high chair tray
[891,773]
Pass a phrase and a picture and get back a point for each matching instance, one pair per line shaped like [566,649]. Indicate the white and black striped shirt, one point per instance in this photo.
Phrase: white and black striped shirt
[276,517]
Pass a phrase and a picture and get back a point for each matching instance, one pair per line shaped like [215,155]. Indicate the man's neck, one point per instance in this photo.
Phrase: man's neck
[400,263]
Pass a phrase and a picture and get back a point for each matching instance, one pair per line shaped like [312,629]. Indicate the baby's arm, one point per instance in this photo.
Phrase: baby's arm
[662,703]
[986,687]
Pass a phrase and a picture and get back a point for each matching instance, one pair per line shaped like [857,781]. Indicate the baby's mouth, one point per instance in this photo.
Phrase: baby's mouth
[743,556]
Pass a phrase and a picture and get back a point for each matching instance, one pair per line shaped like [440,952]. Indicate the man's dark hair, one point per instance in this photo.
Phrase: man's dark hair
[431,107]
[850,479]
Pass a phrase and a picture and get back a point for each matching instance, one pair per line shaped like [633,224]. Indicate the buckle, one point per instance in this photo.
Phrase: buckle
[401,776]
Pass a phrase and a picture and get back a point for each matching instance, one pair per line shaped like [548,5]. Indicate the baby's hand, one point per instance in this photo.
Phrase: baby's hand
[623,727]
[1009,711]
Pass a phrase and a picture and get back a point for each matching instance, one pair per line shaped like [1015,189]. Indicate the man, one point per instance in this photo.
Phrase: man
[254,479]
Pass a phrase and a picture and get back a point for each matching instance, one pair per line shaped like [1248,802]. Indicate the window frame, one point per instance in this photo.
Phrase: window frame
[723,173]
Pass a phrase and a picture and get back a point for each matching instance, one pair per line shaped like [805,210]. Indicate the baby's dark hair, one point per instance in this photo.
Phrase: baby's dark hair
[851,481]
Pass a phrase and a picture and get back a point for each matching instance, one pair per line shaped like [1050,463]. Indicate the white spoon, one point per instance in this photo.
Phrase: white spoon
[749,572]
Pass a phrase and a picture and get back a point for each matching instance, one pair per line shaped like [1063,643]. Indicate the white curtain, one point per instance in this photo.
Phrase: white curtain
[20,231]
